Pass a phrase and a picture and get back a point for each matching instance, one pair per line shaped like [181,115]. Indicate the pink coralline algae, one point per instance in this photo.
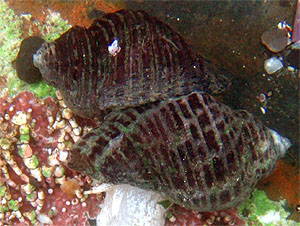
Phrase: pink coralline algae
[35,138]
[183,217]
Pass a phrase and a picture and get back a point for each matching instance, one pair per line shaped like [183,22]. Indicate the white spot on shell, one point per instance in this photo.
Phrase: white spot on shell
[114,48]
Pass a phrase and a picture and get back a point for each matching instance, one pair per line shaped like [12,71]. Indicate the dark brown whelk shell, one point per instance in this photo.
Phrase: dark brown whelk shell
[123,59]
[196,151]
[160,132]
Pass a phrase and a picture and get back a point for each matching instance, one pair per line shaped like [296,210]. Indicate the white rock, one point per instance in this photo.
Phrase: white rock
[270,217]
[67,113]
[19,118]
[44,219]
[63,155]
[272,65]
[125,205]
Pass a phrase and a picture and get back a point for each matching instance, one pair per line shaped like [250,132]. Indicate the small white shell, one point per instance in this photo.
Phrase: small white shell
[127,205]
[272,65]
[44,219]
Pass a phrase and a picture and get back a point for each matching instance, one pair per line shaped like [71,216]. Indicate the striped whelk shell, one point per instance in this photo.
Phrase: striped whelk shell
[161,129]
[194,150]
[123,59]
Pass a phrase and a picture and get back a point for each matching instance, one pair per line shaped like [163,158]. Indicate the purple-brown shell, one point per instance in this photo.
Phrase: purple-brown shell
[194,150]
[162,130]
[123,59]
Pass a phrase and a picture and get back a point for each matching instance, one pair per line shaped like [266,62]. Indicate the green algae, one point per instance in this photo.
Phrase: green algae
[10,35]
[21,151]
[165,203]
[9,41]
[12,32]
[31,216]
[46,171]
[2,191]
[30,197]
[259,210]
[24,138]
[53,27]
[4,143]
[31,162]
[24,130]
[3,208]
[39,89]
[13,205]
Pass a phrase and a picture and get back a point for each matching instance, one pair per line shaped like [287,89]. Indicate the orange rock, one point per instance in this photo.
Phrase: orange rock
[75,13]
[283,183]
[69,187]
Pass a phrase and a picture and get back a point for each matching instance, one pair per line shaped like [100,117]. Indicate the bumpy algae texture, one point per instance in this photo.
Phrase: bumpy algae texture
[10,39]
[11,26]
[259,210]
[53,26]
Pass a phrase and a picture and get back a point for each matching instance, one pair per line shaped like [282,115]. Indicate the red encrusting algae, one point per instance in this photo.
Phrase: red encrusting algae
[183,217]
[35,138]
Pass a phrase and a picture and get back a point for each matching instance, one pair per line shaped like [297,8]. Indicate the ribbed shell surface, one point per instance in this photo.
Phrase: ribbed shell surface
[149,62]
[193,149]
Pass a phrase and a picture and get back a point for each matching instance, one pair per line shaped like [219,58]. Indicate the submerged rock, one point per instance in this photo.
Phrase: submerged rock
[272,65]
[275,39]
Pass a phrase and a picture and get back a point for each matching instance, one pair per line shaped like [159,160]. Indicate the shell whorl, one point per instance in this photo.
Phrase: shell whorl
[123,59]
[193,149]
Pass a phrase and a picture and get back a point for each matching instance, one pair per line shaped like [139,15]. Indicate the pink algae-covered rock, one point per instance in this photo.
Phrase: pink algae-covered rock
[33,136]
[184,217]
